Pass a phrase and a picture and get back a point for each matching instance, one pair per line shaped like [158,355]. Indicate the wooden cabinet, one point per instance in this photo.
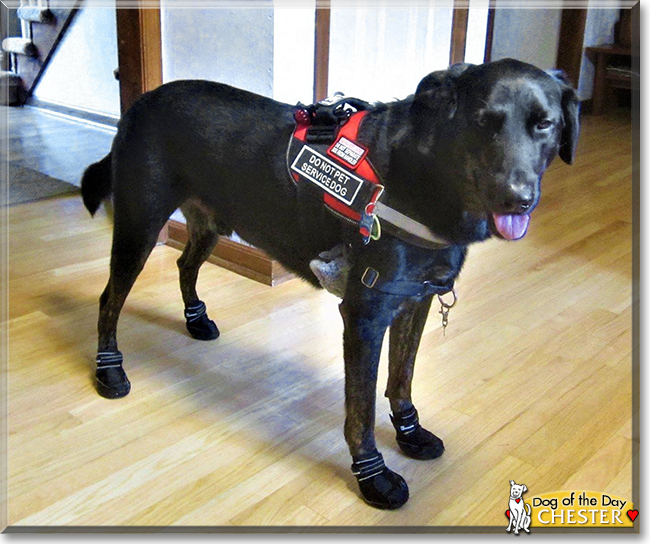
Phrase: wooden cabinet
[607,77]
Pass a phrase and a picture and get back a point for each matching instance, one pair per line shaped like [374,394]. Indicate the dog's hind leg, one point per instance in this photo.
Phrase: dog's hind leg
[405,333]
[143,201]
[203,235]
[132,245]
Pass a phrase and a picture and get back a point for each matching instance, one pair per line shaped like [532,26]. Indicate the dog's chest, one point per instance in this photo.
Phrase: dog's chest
[437,266]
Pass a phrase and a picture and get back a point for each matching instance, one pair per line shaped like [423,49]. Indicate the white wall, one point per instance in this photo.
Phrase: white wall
[529,35]
[80,74]
[233,46]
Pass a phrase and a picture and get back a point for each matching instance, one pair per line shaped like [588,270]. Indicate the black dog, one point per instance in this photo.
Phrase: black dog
[463,157]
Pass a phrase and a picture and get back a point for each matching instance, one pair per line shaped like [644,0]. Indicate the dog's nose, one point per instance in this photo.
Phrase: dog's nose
[518,200]
[520,206]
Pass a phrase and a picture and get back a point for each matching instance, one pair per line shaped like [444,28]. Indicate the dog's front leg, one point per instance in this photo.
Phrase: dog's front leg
[365,323]
[405,333]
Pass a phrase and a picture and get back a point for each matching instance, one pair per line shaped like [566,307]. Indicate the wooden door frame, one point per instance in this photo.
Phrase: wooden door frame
[460,20]
[321,49]
[139,53]
[489,35]
[459,32]
[571,43]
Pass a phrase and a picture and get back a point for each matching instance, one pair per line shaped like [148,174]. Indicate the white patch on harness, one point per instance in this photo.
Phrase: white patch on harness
[325,173]
[348,151]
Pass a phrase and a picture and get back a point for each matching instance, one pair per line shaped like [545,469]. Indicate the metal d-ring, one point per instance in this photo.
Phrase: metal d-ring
[453,303]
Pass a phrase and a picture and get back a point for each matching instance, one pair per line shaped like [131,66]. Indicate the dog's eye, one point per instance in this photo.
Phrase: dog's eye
[544,124]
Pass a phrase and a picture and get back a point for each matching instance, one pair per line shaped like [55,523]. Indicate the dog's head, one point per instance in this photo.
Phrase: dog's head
[516,491]
[488,133]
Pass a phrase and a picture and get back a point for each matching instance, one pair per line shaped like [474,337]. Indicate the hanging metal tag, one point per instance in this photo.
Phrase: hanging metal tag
[444,309]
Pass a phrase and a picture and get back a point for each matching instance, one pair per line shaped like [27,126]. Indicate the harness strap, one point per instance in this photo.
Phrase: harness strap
[350,131]
[408,229]
[405,423]
[109,359]
[364,469]
[196,311]
[364,169]
[371,279]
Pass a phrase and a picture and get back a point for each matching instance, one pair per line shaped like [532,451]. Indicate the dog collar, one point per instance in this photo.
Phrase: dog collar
[331,158]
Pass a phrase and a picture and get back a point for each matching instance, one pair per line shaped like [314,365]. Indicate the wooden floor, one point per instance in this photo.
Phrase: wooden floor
[532,381]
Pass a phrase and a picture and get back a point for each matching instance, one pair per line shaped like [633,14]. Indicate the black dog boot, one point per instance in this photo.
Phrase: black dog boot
[414,440]
[112,382]
[380,487]
[199,325]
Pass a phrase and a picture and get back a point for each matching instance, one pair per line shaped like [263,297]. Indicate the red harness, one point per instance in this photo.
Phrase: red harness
[357,163]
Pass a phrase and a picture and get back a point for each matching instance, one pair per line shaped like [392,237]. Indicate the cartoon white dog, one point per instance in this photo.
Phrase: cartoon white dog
[519,517]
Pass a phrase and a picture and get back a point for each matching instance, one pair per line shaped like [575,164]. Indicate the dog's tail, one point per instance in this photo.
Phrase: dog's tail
[526,505]
[96,184]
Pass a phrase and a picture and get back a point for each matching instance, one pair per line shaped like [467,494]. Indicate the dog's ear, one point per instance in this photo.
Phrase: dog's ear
[512,482]
[571,114]
[437,91]
[523,489]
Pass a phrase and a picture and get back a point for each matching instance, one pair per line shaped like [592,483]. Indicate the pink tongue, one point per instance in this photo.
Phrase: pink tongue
[511,227]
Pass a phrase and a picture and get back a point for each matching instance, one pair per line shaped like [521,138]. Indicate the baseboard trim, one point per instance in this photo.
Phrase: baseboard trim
[244,260]
[73,113]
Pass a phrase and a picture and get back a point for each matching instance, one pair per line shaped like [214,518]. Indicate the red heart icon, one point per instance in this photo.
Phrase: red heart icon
[632,514]
[508,513]
[517,500]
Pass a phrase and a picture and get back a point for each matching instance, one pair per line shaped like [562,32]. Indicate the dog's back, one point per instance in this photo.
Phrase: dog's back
[219,146]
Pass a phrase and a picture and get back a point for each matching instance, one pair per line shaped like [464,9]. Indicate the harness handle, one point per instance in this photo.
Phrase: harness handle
[332,111]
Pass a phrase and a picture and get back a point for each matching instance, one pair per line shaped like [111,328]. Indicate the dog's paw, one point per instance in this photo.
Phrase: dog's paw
[199,325]
[203,329]
[380,487]
[111,380]
[413,439]
[421,444]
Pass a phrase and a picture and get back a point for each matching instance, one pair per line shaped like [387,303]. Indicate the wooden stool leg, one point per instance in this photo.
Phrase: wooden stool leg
[599,85]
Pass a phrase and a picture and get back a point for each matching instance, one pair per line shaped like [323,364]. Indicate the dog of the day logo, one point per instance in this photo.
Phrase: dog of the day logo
[567,509]
[518,511]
